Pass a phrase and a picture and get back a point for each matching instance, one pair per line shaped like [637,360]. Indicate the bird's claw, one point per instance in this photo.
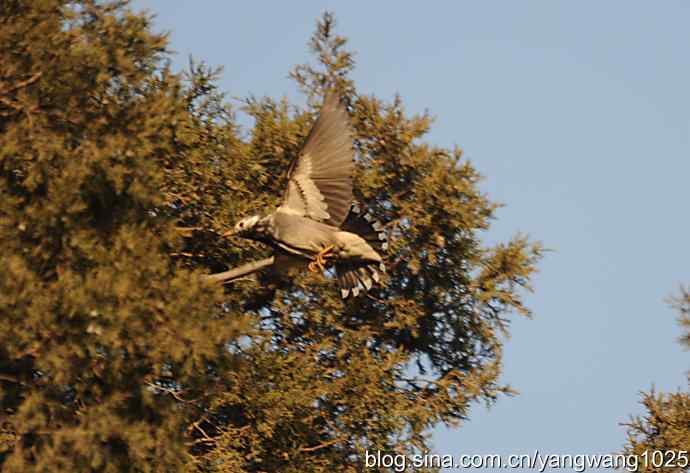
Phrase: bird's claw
[313,267]
[320,258]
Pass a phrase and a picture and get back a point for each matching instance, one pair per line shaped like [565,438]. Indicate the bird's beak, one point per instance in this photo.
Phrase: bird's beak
[229,233]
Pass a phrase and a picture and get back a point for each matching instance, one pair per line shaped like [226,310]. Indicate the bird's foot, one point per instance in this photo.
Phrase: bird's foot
[313,267]
[320,258]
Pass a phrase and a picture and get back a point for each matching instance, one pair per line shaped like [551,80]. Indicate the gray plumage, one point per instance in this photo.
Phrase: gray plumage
[320,179]
[317,220]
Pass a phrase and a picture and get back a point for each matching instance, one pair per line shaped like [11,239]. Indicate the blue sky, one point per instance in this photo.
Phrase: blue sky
[578,115]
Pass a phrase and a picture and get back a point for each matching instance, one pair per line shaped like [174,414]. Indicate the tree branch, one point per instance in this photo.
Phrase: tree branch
[11,379]
[22,84]
[320,446]
[244,270]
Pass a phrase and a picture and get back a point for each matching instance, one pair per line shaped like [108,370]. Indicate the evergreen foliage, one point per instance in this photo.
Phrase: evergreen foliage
[117,177]
[665,426]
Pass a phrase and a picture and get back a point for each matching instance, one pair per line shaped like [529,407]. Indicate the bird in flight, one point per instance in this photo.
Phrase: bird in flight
[318,224]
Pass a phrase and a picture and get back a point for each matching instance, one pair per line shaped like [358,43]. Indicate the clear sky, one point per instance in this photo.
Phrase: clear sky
[578,115]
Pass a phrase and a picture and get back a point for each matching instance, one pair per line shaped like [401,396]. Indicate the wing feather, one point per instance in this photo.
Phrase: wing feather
[320,179]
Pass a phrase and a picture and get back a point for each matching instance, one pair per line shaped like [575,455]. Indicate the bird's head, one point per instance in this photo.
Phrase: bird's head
[247,227]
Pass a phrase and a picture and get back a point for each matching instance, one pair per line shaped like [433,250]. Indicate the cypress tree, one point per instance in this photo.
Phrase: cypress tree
[660,437]
[117,178]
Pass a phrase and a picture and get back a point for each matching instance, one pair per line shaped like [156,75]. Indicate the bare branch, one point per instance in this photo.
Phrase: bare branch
[22,84]
[11,379]
[235,273]
[174,393]
[320,446]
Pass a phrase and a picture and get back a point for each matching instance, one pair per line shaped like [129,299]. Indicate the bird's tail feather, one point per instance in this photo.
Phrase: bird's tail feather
[355,277]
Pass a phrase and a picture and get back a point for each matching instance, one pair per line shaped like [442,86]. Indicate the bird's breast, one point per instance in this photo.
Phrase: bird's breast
[301,235]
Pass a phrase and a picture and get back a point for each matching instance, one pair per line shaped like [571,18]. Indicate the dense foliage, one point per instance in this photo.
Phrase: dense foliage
[665,425]
[117,177]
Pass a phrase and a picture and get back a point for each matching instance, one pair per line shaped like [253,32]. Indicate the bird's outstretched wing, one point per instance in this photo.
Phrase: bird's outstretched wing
[320,179]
